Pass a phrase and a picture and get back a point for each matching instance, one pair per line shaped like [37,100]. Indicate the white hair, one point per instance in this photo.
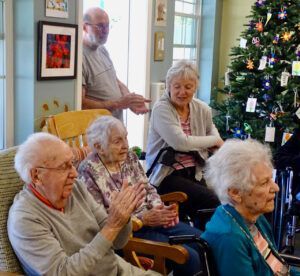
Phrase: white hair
[185,69]
[232,166]
[31,153]
[99,131]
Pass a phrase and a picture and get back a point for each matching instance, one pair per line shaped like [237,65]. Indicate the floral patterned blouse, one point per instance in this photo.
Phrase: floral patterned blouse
[101,184]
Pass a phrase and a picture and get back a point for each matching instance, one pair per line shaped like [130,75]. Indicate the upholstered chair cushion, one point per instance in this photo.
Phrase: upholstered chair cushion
[10,185]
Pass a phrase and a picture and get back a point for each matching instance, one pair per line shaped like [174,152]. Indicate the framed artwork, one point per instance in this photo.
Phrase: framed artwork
[57,50]
[57,8]
[159,46]
[160,13]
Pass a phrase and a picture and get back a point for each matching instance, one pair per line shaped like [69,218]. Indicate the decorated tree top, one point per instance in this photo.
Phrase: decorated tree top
[263,80]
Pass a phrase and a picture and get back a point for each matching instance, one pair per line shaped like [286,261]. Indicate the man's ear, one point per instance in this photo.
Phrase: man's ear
[235,195]
[35,178]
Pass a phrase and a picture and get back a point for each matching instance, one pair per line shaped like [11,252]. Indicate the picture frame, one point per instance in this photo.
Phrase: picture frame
[160,13]
[57,50]
[57,8]
[159,46]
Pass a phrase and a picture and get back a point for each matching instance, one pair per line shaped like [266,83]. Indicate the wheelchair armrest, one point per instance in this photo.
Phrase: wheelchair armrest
[291,259]
[188,239]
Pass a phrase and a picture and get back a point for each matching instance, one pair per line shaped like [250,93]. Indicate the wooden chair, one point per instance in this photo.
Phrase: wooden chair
[71,126]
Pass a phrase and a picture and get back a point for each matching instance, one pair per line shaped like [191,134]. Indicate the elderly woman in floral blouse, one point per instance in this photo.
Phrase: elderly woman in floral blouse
[110,165]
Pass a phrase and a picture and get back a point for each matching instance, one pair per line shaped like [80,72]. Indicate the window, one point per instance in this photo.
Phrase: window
[2,74]
[186,30]
[129,50]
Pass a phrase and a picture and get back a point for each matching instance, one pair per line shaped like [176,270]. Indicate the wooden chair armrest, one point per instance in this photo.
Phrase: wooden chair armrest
[3,273]
[137,224]
[174,197]
[176,253]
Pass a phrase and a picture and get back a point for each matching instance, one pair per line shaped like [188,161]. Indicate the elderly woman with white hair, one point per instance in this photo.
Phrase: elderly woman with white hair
[110,166]
[240,237]
[184,123]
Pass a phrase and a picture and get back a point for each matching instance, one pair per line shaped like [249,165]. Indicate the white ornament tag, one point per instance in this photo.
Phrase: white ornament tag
[270,134]
[251,104]
[227,79]
[284,79]
[243,43]
[262,63]
[296,68]
[285,137]
[297,113]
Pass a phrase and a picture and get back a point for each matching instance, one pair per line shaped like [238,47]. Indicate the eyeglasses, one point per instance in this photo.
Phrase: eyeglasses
[100,26]
[68,166]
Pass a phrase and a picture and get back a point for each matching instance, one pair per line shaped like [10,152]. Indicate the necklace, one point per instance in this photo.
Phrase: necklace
[110,176]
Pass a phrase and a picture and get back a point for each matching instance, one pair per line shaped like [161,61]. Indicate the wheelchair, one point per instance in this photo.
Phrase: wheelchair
[207,259]
[285,215]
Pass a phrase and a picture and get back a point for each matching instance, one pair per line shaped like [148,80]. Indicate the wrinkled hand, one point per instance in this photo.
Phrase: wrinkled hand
[161,215]
[124,203]
[133,101]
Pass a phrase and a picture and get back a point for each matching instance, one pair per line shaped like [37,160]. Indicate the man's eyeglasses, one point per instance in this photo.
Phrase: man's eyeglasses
[68,166]
[100,26]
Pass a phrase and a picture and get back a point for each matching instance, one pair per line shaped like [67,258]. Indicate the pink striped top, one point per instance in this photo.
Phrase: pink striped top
[185,160]
[266,252]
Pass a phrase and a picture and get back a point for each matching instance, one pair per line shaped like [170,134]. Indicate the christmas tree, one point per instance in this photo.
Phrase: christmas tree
[261,84]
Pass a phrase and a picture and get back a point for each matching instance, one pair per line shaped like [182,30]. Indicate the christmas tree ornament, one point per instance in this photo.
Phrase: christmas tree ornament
[282,14]
[263,63]
[270,134]
[298,26]
[251,104]
[260,3]
[295,97]
[259,26]
[269,16]
[284,78]
[276,39]
[250,64]
[286,36]
[267,97]
[298,51]
[248,129]
[227,117]
[267,83]
[251,24]
[272,60]
[256,41]
[238,132]
[227,77]
[285,137]
[296,68]
[243,43]
[137,150]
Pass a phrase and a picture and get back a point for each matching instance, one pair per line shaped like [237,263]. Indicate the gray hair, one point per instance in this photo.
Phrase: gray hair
[184,69]
[232,166]
[31,153]
[99,131]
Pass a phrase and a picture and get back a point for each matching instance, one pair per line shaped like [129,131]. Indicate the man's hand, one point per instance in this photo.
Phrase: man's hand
[140,110]
[161,215]
[133,101]
[122,205]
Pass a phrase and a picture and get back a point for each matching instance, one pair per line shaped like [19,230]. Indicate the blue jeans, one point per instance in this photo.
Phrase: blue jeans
[193,265]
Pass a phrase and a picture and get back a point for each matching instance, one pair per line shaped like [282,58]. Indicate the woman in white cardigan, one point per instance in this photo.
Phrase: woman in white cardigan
[180,121]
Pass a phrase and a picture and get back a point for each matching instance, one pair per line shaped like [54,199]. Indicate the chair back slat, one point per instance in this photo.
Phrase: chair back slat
[71,126]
